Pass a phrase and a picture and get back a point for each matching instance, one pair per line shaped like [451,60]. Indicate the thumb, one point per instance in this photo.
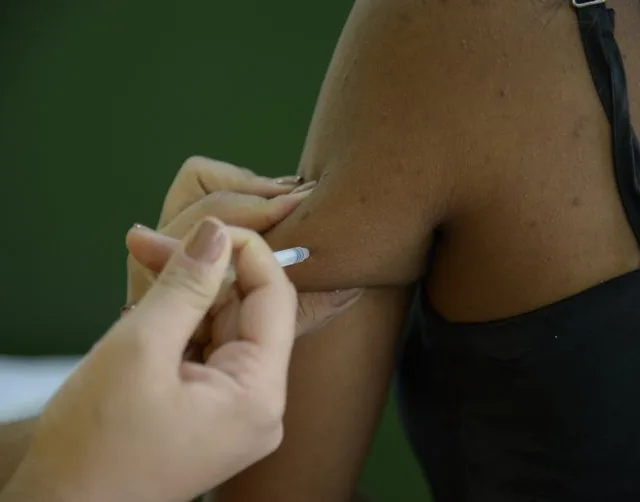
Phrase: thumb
[315,310]
[187,287]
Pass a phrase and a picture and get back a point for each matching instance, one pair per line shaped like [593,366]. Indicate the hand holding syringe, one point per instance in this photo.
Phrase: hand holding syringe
[285,257]
[207,339]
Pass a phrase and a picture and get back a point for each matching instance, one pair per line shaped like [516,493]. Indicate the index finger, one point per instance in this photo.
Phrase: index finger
[200,176]
[268,311]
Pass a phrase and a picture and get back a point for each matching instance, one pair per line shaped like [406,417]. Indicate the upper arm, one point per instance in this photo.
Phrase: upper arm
[375,144]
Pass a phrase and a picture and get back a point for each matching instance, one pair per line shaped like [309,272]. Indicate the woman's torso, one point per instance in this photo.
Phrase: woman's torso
[519,382]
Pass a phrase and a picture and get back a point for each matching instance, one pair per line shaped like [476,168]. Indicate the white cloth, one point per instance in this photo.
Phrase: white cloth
[27,383]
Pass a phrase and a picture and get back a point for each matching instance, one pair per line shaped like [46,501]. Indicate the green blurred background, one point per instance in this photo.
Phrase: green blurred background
[100,102]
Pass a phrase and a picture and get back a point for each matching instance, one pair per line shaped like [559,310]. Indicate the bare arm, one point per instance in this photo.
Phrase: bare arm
[332,409]
[376,144]
[14,441]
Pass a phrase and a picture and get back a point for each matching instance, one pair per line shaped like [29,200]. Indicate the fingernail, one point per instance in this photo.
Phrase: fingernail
[125,309]
[344,297]
[289,180]
[305,187]
[207,243]
[140,226]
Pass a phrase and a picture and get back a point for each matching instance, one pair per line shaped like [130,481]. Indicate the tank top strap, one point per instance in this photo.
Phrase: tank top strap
[597,24]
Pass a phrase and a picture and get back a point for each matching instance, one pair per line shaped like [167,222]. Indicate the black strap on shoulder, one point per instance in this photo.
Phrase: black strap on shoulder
[597,24]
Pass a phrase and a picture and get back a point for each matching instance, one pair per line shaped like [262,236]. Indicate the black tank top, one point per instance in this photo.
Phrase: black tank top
[544,406]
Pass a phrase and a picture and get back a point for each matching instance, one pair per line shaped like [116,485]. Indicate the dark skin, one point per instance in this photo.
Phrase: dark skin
[476,118]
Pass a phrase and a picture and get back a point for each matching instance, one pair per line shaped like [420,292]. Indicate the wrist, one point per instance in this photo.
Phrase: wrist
[15,440]
[32,483]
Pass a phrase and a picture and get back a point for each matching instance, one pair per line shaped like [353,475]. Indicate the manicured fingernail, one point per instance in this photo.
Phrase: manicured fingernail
[207,243]
[306,187]
[344,297]
[140,226]
[125,309]
[289,180]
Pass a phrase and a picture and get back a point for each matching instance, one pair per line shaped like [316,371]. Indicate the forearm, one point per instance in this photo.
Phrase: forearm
[34,482]
[15,439]
[337,386]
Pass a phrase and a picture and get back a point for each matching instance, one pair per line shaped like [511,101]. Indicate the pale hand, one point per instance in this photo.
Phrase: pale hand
[135,422]
[239,197]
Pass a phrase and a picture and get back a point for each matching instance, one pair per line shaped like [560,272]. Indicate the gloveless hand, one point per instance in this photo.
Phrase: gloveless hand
[237,196]
[137,423]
